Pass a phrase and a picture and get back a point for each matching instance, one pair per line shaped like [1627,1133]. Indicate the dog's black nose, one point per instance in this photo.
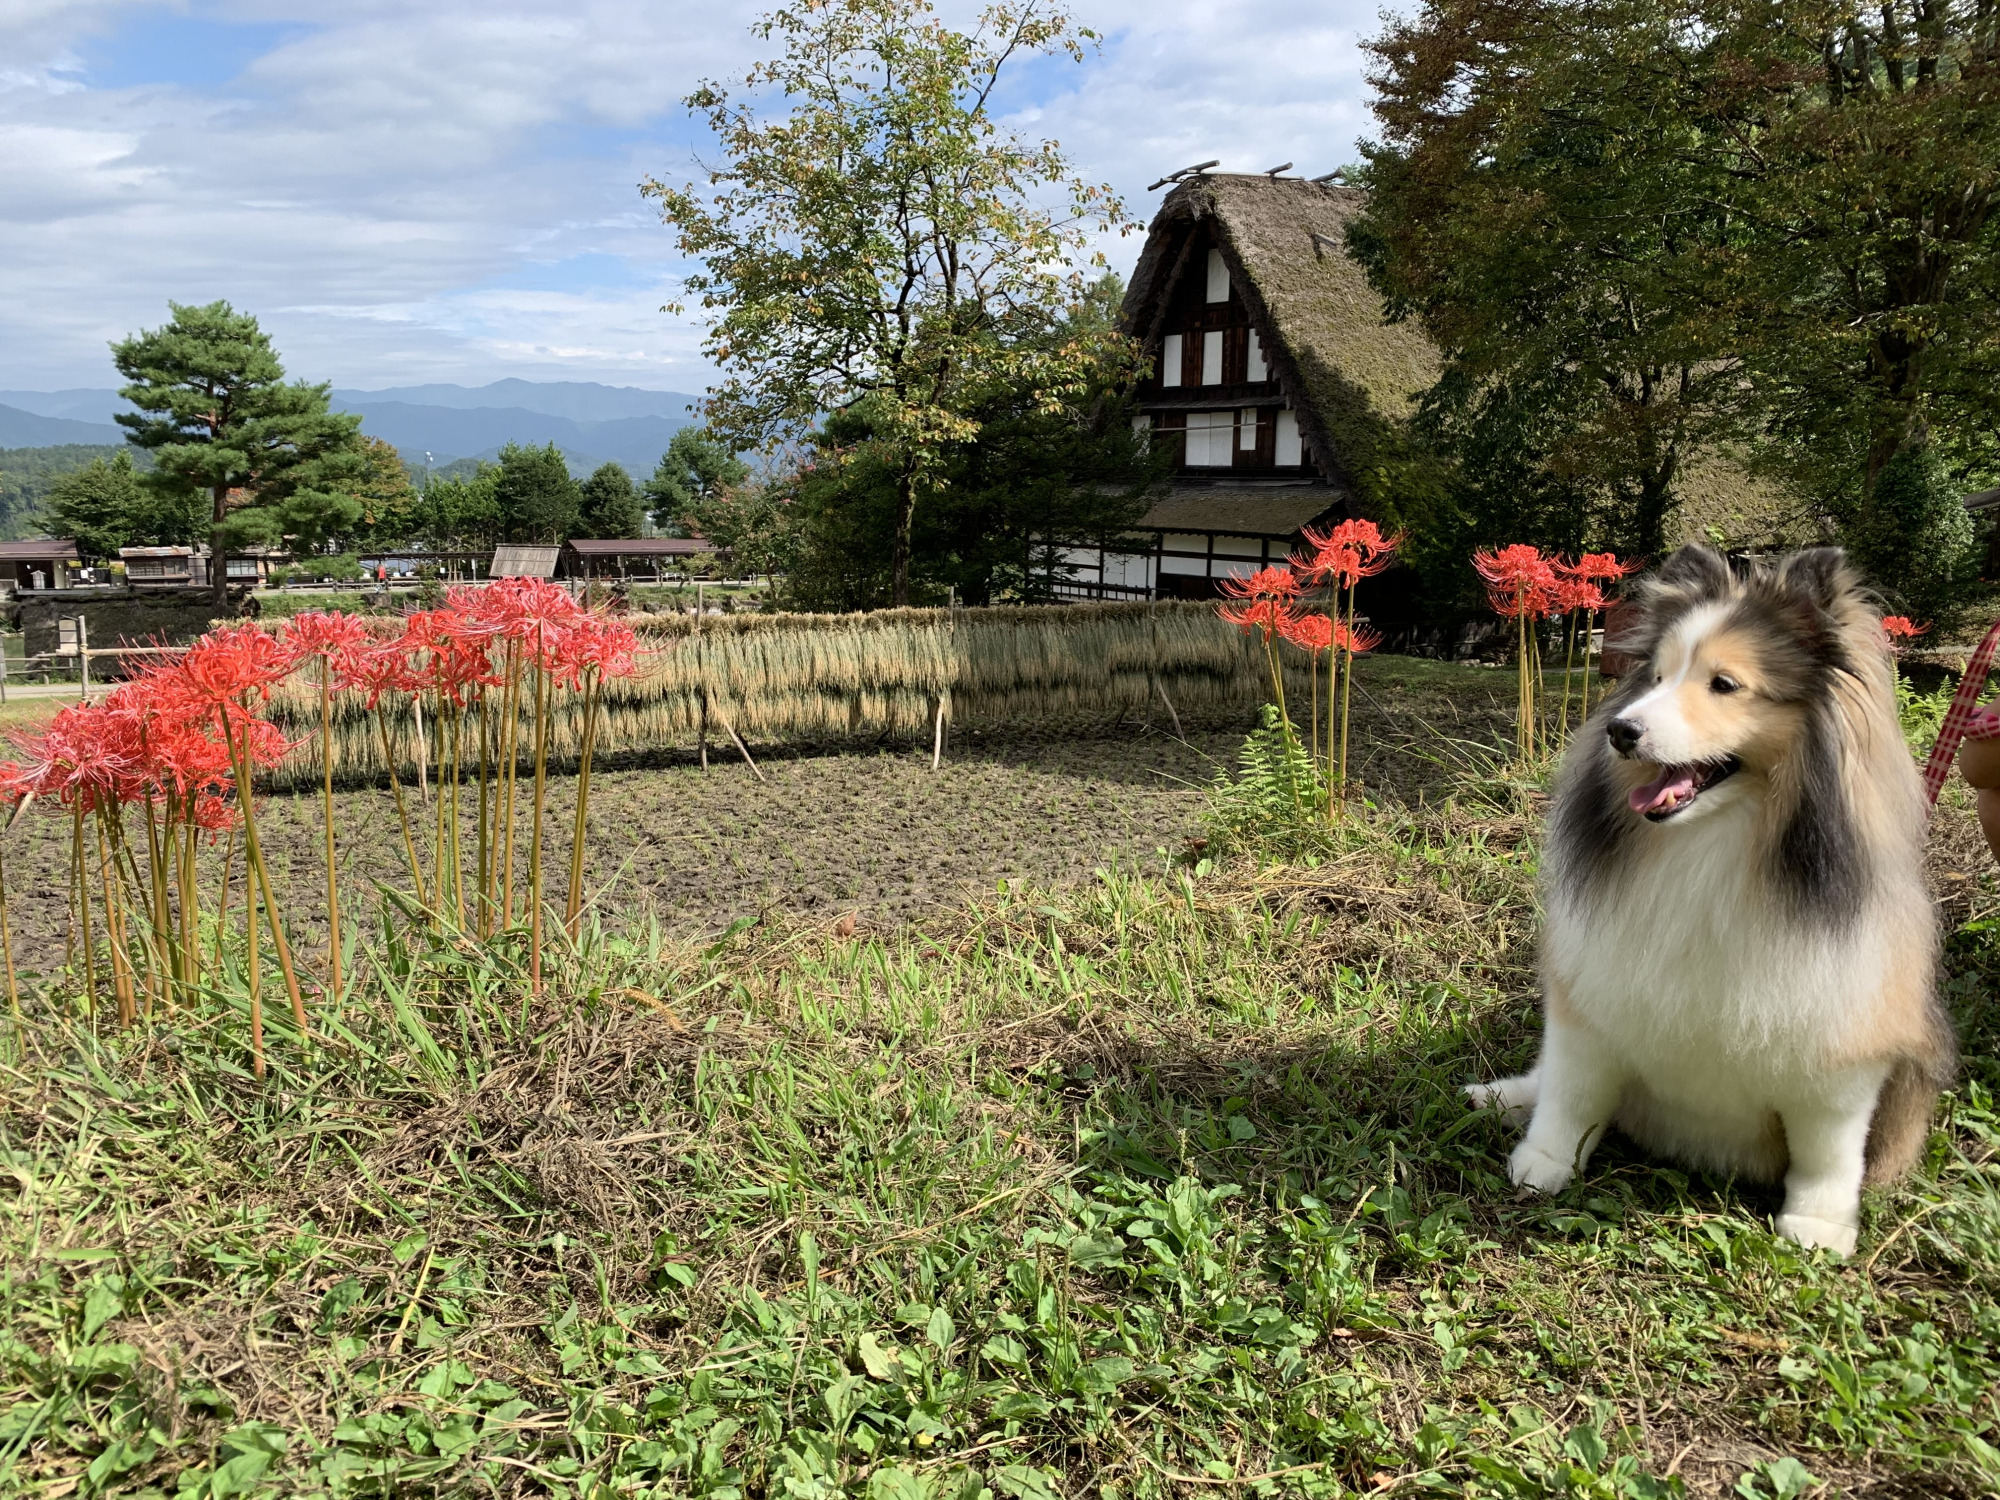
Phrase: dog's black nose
[1625,735]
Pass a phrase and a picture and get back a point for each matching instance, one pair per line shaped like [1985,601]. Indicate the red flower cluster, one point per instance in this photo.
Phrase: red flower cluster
[164,736]
[1901,630]
[1267,596]
[544,625]
[1342,556]
[1520,580]
[168,733]
[1316,633]
[1350,552]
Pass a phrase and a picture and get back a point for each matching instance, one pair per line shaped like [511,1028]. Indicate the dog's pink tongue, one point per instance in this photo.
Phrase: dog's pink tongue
[1664,792]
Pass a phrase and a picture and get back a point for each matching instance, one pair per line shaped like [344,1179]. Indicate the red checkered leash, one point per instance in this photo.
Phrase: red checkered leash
[1958,718]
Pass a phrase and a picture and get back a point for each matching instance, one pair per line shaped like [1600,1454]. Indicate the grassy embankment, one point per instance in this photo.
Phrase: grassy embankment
[1157,1186]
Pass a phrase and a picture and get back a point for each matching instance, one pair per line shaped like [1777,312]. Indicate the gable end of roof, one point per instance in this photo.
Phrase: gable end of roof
[1350,375]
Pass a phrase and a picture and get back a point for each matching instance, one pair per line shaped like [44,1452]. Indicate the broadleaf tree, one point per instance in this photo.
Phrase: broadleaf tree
[1549,218]
[1029,486]
[107,505]
[1647,225]
[220,418]
[389,503]
[538,499]
[886,241]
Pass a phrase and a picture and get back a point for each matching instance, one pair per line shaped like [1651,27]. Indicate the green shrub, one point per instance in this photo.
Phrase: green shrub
[345,568]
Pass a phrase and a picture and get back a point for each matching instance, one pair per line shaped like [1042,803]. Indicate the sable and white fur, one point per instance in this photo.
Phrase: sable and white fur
[1738,964]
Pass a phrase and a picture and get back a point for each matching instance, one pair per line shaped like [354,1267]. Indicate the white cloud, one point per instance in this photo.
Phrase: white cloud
[448,190]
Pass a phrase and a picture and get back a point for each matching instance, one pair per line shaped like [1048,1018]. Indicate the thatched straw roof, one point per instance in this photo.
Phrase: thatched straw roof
[1344,370]
[1349,375]
[1722,495]
[1273,510]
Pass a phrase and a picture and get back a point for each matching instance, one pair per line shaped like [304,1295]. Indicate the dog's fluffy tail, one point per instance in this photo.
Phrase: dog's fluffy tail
[1902,1121]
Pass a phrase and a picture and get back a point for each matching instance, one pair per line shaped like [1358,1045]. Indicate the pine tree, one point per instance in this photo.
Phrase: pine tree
[538,500]
[696,468]
[610,504]
[219,416]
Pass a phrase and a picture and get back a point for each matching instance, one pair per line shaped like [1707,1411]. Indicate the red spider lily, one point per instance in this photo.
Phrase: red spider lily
[330,635]
[1313,633]
[167,719]
[1348,553]
[1573,591]
[230,663]
[1521,585]
[442,656]
[213,815]
[1519,580]
[528,610]
[1271,616]
[88,757]
[1601,567]
[595,644]
[1356,640]
[1266,583]
[1903,628]
[378,668]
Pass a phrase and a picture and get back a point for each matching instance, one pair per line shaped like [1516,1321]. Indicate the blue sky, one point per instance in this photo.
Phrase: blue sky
[411,190]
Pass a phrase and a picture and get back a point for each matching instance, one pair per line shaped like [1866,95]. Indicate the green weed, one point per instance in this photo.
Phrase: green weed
[1156,1187]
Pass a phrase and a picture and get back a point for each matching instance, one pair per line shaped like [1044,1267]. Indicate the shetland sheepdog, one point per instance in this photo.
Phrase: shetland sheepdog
[1739,952]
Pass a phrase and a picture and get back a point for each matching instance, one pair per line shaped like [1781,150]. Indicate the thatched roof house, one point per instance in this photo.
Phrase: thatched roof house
[1274,376]
[1276,380]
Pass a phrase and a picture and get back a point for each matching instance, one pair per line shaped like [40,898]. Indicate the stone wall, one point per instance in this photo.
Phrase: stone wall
[117,617]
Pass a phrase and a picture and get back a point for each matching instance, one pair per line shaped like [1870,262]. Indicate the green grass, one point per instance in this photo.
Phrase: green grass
[1158,1187]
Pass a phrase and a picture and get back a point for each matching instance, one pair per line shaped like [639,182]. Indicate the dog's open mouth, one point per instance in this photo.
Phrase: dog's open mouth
[1675,789]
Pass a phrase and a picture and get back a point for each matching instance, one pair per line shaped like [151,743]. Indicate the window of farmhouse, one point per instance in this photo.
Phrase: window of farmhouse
[1210,436]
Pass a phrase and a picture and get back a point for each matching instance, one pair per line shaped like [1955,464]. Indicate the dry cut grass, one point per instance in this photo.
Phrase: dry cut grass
[791,677]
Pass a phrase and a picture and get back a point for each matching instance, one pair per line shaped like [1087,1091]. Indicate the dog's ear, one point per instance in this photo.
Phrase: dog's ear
[1818,575]
[1699,570]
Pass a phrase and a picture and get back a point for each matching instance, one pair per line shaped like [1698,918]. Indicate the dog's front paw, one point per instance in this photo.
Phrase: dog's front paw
[1533,1168]
[1818,1234]
[1513,1099]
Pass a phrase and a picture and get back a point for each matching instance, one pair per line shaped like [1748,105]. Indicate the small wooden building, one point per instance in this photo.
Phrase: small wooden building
[628,557]
[43,563]
[163,567]
[524,560]
[1274,381]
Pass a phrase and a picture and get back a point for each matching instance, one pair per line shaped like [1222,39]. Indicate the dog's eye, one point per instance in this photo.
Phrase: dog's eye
[1722,682]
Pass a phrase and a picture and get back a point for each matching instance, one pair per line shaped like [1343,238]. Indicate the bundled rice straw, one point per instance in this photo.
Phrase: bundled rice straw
[778,677]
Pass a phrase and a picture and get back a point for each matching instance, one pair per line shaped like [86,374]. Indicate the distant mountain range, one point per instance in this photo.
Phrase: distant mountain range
[591,423]
[22,428]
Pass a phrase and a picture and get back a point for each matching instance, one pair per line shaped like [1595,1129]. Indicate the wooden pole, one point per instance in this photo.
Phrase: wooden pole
[731,728]
[83,655]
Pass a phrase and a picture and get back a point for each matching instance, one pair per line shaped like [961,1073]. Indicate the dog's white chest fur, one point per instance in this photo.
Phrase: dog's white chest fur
[1722,1008]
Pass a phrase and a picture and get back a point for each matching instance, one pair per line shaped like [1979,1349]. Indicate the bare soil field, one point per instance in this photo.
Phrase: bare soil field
[869,832]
